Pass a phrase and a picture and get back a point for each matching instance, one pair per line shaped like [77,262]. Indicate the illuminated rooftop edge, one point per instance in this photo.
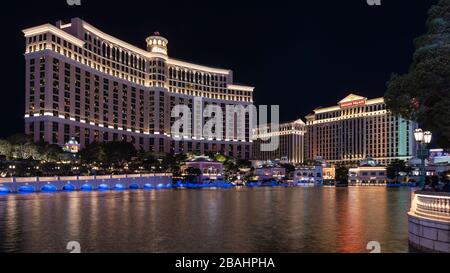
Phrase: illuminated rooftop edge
[60,32]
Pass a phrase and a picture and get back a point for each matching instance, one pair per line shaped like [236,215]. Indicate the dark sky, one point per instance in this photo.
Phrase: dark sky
[299,56]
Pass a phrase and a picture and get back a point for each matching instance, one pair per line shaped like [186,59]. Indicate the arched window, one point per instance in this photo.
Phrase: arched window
[114,53]
[103,50]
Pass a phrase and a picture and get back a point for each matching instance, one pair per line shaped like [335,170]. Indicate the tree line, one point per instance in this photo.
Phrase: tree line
[21,157]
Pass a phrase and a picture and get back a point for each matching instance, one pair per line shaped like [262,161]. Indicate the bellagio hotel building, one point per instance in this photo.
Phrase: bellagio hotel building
[358,128]
[85,84]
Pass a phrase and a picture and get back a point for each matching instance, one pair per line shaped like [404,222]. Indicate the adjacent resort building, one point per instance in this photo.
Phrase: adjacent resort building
[358,128]
[355,129]
[84,84]
[290,145]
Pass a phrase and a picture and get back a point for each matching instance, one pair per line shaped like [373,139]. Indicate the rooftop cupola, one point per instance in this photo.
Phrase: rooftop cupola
[157,44]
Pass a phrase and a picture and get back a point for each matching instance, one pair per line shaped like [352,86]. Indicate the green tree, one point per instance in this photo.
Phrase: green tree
[193,174]
[244,164]
[230,167]
[26,151]
[289,167]
[49,152]
[149,160]
[6,149]
[180,159]
[23,148]
[170,163]
[423,94]
[19,139]
[342,174]
[92,153]
[221,158]
[117,153]
[396,167]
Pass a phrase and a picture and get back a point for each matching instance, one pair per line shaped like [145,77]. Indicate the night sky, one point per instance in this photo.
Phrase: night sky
[299,56]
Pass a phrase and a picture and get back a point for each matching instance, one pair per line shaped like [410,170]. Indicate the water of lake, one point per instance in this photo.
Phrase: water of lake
[242,220]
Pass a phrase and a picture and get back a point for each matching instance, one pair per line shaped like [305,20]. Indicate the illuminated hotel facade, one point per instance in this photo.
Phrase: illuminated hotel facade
[291,143]
[358,128]
[86,84]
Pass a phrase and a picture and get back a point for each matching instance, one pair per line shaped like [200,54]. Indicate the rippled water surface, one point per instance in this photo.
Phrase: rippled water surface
[235,220]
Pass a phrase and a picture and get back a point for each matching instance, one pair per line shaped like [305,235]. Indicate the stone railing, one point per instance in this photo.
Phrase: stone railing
[429,222]
[435,206]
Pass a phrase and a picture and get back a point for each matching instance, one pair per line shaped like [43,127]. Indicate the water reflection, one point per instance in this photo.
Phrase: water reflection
[243,220]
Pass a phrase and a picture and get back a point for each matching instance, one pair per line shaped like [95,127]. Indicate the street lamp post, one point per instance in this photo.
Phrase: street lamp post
[423,139]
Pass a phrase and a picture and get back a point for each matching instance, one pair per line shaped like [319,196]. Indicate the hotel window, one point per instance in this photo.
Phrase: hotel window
[31,127]
[42,131]
[55,132]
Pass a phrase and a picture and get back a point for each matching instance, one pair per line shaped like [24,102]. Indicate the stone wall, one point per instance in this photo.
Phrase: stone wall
[429,235]
[37,183]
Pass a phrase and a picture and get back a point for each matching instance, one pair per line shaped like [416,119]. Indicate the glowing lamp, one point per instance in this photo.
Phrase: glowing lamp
[418,135]
[427,136]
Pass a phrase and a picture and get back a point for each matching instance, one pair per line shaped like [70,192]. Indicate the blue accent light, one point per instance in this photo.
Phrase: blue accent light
[134,187]
[49,188]
[148,187]
[103,187]
[119,187]
[68,188]
[26,189]
[87,187]
[4,190]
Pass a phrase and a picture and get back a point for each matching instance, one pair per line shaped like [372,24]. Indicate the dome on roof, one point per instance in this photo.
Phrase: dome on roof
[201,159]
[72,141]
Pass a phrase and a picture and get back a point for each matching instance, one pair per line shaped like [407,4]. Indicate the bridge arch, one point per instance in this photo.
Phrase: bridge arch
[68,188]
[49,188]
[5,190]
[119,187]
[103,187]
[87,187]
[134,186]
[26,189]
[148,186]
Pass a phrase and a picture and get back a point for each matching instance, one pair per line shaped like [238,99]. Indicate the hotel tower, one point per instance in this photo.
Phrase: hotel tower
[85,84]
[289,148]
[358,128]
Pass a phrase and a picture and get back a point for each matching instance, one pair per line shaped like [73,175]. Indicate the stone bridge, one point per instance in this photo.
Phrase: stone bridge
[85,183]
